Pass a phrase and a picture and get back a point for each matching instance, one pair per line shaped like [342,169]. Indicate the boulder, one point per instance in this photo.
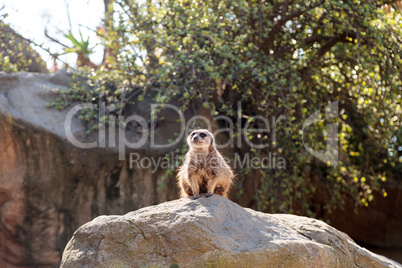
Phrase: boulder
[213,232]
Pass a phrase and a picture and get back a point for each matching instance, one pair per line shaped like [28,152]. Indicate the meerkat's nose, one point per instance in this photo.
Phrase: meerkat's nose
[195,139]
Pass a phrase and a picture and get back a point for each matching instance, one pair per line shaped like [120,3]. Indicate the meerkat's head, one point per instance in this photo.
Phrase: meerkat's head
[200,139]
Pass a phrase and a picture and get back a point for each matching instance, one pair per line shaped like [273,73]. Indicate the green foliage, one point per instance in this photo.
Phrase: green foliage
[80,47]
[12,58]
[276,58]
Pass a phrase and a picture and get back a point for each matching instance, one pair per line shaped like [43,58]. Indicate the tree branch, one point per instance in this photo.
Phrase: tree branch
[344,37]
[55,40]
[278,26]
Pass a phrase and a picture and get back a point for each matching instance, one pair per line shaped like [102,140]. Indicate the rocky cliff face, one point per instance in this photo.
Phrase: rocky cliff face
[49,187]
[213,232]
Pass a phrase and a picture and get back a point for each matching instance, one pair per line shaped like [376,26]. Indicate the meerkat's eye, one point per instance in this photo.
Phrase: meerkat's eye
[203,135]
[192,134]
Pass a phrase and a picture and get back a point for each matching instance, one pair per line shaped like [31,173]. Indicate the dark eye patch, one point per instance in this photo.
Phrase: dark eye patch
[192,134]
[203,135]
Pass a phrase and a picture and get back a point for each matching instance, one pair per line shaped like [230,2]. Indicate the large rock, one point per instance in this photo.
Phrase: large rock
[213,232]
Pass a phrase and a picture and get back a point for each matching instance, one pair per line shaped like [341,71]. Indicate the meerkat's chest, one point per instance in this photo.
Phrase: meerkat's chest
[204,169]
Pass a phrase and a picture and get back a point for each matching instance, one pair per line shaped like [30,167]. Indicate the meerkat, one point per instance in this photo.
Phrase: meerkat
[204,170]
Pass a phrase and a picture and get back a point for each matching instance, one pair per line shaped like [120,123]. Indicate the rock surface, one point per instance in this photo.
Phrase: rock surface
[213,232]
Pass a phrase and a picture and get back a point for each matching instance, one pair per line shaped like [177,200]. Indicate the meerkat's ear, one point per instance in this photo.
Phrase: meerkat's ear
[212,140]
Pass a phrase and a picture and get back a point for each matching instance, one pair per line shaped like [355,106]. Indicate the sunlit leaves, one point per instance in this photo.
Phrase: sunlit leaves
[14,50]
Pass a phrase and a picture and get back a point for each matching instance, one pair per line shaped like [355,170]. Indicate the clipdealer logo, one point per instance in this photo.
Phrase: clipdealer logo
[329,156]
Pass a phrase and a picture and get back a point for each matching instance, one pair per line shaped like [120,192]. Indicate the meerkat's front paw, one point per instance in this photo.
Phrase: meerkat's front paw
[209,194]
[196,197]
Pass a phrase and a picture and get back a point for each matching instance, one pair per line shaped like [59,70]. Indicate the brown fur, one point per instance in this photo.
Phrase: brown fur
[204,169]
